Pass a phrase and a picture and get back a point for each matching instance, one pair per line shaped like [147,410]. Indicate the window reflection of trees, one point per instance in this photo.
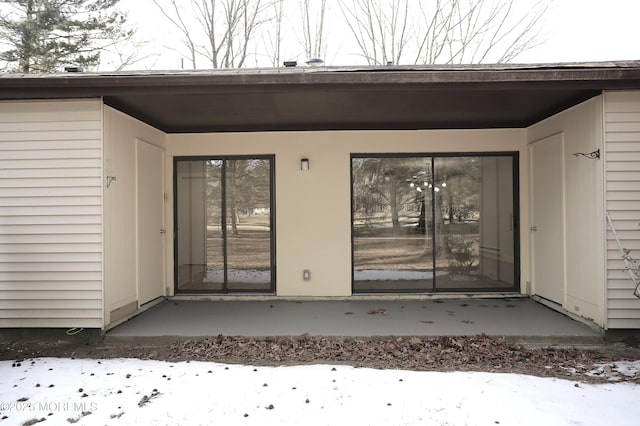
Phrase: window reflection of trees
[398,200]
[224,233]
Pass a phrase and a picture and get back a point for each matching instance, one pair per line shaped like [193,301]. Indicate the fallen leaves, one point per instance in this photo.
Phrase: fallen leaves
[147,398]
[477,353]
[454,353]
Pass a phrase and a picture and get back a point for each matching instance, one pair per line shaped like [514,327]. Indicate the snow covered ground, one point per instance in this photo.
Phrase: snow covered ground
[247,276]
[388,274]
[132,391]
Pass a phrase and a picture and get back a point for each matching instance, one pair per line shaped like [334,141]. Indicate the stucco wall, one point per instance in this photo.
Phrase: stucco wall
[581,128]
[313,208]
[120,134]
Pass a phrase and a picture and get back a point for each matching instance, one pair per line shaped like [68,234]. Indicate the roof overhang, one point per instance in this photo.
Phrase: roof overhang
[302,98]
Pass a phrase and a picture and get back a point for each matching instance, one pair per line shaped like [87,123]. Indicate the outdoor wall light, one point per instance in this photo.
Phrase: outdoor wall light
[304,164]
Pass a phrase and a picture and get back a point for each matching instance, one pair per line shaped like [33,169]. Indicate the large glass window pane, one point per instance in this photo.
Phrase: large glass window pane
[223,225]
[454,211]
[200,260]
[457,192]
[474,223]
[392,241]
[248,224]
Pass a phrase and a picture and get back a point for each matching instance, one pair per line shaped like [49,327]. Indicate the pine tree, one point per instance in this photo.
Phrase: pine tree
[44,35]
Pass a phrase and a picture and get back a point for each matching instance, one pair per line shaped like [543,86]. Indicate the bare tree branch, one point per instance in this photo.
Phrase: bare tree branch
[313,28]
[442,31]
[175,15]
[218,30]
[274,36]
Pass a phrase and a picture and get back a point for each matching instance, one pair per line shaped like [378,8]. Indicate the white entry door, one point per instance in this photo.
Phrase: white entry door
[547,230]
[150,221]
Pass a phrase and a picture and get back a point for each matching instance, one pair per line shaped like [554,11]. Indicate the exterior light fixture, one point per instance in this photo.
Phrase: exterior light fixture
[436,189]
[304,164]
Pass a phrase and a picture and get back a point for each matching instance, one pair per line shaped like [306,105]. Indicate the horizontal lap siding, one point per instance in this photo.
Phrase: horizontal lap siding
[51,214]
[622,135]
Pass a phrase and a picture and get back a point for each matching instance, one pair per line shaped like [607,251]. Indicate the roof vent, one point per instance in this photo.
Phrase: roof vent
[315,62]
[290,64]
[74,68]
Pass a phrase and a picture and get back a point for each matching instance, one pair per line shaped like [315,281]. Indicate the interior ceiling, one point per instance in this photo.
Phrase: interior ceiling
[337,99]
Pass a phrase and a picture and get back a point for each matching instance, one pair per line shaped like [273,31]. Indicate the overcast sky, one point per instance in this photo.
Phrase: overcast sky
[589,30]
[574,30]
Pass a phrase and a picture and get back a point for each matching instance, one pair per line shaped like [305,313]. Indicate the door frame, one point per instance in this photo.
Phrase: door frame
[272,222]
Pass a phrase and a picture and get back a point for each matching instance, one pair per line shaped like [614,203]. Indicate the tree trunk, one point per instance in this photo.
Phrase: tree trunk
[393,201]
[232,197]
[438,221]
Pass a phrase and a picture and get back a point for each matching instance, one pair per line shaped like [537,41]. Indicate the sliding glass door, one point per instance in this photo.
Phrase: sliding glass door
[425,223]
[224,224]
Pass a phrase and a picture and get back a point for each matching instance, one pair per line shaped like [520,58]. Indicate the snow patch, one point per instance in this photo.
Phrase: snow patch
[247,276]
[133,391]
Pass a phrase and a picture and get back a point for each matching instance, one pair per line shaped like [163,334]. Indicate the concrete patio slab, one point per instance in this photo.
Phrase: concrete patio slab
[518,319]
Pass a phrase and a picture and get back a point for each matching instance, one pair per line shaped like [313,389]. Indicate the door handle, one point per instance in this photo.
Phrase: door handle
[163,231]
[533,228]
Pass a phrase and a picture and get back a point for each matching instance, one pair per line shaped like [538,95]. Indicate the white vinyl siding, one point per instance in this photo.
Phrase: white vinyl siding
[622,136]
[51,214]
